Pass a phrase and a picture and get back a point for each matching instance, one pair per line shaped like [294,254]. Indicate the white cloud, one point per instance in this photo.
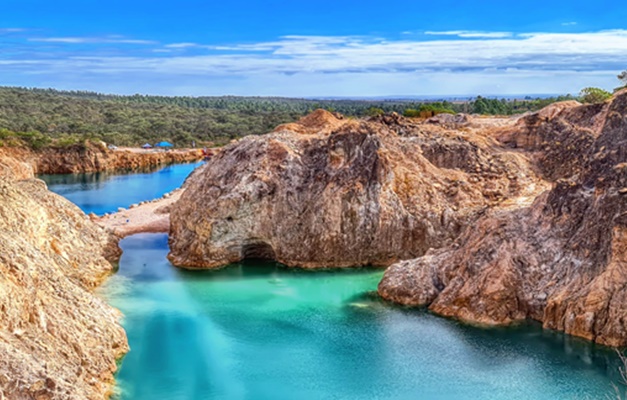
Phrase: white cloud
[12,30]
[293,54]
[307,65]
[471,34]
[181,45]
[91,40]
[572,23]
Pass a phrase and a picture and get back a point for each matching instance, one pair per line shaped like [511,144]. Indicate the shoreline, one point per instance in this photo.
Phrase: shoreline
[96,157]
[152,216]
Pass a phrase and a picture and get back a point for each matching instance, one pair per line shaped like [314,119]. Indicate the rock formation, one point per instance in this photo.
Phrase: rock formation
[57,340]
[14,170]
[557,137]
[329,191]
[562,260]
[96,158]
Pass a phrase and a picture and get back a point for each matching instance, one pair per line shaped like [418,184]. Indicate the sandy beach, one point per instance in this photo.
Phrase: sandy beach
[146,217]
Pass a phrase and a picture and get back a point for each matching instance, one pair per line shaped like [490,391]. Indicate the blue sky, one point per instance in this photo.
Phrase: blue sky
[313,48]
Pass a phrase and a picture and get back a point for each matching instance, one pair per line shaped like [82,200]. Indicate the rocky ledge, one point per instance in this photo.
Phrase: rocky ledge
[57,340]
[330,191]
[562,260]
[96,157]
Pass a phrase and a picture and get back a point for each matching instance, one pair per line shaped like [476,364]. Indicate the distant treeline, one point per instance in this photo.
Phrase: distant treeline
[41,117]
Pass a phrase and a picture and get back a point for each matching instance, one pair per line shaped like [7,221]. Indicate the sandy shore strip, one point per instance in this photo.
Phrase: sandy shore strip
[146,217]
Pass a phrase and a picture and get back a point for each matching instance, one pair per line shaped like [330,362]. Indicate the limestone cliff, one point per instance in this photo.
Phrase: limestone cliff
[335,192]
[96,157]
[57,340]
[562,260]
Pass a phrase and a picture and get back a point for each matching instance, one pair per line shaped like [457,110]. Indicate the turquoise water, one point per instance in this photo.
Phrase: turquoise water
[260,331]
[105,192]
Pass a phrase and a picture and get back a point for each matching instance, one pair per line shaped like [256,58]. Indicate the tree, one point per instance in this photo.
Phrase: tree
[374,111]
[67,116]
[594,95]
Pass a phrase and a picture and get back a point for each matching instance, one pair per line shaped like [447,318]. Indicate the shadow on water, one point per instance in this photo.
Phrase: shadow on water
[95,178]
[260,268]
[520,340]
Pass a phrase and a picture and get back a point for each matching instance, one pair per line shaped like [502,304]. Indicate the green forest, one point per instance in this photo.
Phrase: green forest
[45,117]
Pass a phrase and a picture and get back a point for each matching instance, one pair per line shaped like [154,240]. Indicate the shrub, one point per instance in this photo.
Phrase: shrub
[374,111]
[594,95]
[68,140]
[428,110]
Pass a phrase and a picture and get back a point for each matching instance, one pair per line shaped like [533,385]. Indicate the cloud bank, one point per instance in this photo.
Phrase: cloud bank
[459,62]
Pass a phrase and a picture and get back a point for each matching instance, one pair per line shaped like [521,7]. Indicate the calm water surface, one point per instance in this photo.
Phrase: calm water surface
[261,331]
[105,192]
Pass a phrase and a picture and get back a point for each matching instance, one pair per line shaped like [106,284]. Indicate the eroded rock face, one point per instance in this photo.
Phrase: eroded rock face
[336,192]
[557,137]
[14,170]
[97,158]
[562,261]
[57,340]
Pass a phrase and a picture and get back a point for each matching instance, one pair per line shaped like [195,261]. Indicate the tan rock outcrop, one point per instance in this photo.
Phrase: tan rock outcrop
[57,339]
[561,261]
[97,158]
[557,137]
[14,170]
[336,192]
[318,122]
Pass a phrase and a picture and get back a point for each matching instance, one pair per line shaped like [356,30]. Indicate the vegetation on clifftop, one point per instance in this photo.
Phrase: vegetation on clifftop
[594,95]
[44,117]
